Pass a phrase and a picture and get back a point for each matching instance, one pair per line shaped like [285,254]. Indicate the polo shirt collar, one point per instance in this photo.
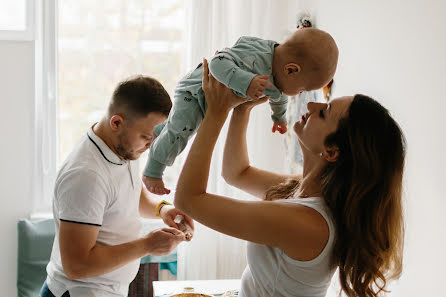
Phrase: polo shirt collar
[103,148]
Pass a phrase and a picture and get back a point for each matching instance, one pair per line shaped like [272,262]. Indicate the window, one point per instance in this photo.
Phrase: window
[101,43]
[17,20]
[83,50]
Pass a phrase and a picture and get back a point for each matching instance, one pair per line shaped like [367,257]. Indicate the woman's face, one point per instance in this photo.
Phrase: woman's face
[321,120]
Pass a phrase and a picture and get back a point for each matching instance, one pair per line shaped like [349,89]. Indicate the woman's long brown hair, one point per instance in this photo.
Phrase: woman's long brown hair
[363,190]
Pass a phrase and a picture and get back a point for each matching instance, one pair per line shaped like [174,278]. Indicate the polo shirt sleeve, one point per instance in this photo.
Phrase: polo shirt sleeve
[81,197]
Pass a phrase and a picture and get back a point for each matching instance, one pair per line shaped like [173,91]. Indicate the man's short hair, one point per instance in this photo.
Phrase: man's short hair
[137,96]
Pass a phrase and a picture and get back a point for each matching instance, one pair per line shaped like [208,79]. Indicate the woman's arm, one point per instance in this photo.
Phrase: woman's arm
[300,231]
[236,168]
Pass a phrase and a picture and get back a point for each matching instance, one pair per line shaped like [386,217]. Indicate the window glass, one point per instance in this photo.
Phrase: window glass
[12,15]
[101,43]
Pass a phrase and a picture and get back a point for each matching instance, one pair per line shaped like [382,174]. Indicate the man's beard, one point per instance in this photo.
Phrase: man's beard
[123,147]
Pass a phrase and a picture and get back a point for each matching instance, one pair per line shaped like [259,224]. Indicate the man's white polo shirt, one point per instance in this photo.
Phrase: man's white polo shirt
[94,186]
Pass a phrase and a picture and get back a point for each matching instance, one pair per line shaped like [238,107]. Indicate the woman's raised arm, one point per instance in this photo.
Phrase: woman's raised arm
[263,222]
[237,170]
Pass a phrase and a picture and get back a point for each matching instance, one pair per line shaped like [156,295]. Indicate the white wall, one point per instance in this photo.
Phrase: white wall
[16,97]
[395,51]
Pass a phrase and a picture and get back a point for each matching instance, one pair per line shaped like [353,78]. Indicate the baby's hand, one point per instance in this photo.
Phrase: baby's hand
[281,127]
[258,86]
[155,185]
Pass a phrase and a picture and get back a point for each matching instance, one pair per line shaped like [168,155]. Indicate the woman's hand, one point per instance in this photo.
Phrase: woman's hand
[219,98]
[248,105]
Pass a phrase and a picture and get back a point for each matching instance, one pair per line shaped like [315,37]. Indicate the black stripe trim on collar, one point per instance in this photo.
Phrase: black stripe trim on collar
[83,223]
[101,151]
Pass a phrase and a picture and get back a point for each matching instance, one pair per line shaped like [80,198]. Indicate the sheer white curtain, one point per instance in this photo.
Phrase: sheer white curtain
[214,25]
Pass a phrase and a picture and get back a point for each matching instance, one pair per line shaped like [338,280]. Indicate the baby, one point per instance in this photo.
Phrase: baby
[252,68]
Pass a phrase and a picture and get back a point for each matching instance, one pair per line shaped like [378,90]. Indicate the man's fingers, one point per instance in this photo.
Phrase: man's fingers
[173,231]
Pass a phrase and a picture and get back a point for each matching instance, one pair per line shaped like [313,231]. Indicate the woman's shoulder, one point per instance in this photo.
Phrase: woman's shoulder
[319,221]
[316,203]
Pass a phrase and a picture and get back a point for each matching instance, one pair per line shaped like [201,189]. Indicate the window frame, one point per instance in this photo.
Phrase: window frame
[45,109]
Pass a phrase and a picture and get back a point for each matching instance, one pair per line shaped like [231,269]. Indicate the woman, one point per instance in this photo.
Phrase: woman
[343,211]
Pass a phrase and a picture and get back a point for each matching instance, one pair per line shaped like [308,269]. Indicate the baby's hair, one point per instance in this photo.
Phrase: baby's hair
[315,50]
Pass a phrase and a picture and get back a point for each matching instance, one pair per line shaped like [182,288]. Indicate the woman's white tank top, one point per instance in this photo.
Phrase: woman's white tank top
[271,273]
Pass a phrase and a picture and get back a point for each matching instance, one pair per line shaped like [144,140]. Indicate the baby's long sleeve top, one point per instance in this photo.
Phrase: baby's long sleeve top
[235,67]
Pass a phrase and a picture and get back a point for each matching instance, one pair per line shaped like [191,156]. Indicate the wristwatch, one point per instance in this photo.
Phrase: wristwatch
[159,206]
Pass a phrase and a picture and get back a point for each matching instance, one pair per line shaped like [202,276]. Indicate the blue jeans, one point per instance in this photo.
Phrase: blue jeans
[45,292]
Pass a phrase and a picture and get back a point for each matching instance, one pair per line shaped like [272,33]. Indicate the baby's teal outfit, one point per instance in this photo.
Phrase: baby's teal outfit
[235,68]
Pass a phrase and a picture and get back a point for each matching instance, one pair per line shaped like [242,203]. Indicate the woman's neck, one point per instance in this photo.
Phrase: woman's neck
[310,185]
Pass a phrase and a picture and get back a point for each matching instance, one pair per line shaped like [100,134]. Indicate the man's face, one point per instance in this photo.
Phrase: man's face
[135,138]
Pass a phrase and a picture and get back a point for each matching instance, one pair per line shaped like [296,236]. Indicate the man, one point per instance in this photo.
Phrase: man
[98,199]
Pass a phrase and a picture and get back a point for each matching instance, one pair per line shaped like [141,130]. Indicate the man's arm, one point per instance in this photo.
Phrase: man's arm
[78,191]
[147,206]
[82,257]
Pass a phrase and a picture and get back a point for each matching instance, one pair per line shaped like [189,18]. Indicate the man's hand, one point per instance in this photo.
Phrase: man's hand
[168,214]
[258,86]
[155,185]
[163,241]
[281,127]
